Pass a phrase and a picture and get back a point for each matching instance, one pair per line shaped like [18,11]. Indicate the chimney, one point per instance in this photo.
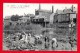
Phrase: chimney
[24,14]
[66,8]
[39,7]
[72,8]
[57,11]
[52,9]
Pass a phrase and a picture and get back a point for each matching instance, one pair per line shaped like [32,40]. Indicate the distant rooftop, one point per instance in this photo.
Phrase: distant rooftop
[39,16]
[65,11]
[29,15]
[41,10]
[7,17]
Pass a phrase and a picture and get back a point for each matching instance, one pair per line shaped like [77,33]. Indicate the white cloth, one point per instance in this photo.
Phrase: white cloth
[25,38]
[55,42]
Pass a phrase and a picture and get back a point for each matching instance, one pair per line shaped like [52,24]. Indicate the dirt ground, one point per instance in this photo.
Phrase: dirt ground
[61,34]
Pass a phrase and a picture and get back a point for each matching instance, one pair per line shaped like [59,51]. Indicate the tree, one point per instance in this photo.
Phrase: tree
[15,17]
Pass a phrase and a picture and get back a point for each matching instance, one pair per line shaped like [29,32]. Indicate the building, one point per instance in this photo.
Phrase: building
[7,20]
[52,18]
[42,16]
[26,18]
[23,19]
[65,15]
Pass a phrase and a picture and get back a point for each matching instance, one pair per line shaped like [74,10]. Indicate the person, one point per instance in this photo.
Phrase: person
[54,43]
[71,42]
[46,39]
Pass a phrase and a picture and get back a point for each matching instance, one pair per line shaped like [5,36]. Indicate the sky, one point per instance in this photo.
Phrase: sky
[29,8]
